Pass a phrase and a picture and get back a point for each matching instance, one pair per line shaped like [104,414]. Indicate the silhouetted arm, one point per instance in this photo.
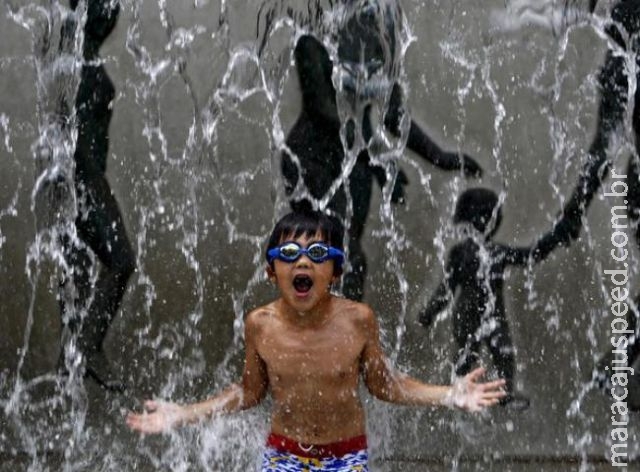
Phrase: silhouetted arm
[521,256]
[438,302]
[397,194]
[611,114]
[445,290]
[567,228]
[564,231]
[611,110]
[518,256]
[419,142]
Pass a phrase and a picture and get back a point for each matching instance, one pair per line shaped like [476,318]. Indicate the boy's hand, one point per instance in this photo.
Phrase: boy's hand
[469,395]
[158,417]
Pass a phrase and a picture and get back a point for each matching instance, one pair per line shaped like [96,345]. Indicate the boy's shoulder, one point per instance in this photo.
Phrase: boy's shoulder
[261,314]
[355,311]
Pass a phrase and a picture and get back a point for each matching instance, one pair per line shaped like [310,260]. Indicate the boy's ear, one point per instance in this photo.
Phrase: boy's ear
[271,273]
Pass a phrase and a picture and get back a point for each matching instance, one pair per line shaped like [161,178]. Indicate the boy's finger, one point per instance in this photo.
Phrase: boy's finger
[489,402]
[495,394]
[133,422]
[496,384]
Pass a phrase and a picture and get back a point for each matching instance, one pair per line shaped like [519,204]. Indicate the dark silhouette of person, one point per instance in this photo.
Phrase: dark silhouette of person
[623,31]
[474,278]
[319,141]
[99,224]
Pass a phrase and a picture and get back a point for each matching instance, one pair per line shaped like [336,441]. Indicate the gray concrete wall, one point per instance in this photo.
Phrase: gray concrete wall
[522,102]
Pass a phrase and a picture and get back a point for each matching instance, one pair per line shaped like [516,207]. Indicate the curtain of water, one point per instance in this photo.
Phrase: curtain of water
[206,96]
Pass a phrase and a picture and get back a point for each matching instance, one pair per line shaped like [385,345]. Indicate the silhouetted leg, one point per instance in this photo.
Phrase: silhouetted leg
[360,187]
[100,225]
[465,333]
[501,347]
[75,291]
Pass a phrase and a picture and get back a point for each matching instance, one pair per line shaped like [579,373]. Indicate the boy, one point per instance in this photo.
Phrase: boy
[309,348]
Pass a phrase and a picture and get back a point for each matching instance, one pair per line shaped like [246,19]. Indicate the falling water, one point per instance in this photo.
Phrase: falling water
[205,95]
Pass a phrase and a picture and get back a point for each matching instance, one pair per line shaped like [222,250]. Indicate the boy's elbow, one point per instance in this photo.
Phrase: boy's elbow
[253,397]
[382,392]
[250,402]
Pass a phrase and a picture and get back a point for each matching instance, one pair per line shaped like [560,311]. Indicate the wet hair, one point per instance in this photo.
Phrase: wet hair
[308,223]
[476,206]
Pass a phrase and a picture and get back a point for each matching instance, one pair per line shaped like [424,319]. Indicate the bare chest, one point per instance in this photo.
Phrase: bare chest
[324,354]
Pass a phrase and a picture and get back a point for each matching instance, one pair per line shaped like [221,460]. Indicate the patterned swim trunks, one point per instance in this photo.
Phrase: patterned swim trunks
[287,455]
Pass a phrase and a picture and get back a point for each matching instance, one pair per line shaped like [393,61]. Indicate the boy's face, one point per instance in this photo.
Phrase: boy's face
[303,283]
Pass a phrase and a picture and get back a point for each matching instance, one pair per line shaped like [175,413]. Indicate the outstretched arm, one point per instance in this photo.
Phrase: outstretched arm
[160,416]
[567,228]
[387,384]
[611,112]
[560,235]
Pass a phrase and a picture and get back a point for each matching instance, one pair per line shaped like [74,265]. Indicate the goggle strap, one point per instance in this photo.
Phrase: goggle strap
[336,254]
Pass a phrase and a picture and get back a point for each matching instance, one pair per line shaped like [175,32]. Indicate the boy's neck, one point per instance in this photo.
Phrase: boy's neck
[315,316]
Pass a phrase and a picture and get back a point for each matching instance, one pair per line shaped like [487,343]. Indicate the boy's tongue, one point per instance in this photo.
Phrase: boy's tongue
[302,283]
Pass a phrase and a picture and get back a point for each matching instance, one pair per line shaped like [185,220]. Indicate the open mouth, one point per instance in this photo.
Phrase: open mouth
[302,283]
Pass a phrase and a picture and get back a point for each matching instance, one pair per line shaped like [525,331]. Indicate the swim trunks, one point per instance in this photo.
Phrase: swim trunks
[287,455]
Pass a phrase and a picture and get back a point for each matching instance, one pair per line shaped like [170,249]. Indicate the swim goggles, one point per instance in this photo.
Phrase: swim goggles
[317,252]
